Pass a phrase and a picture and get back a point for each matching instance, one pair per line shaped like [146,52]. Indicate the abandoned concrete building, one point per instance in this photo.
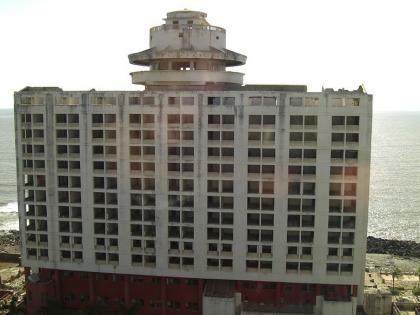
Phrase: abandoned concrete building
[198,194]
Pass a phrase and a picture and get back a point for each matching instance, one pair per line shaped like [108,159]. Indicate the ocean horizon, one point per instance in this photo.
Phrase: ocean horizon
[394,210]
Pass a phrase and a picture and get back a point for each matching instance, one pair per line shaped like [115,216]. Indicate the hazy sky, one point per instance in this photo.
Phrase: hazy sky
[83,44]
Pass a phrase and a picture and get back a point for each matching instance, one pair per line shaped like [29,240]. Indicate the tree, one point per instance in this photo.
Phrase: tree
[395,274]
[13,308]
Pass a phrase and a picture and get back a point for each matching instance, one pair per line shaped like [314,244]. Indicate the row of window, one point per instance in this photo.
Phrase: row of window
[110,119]
[148,136]
[137,151]
[190,100]
[35,134]
[67,255]
[224,186]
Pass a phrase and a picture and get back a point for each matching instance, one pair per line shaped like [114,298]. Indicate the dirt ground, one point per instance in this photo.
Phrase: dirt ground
[407,282]
[384,263]
[13,249]
[4,265]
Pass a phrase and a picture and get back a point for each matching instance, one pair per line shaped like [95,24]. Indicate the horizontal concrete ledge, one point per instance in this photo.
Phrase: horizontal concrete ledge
[176,77]
[166,27]
[146,57]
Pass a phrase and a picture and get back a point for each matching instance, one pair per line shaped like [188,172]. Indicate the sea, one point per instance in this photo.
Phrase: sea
[394,206]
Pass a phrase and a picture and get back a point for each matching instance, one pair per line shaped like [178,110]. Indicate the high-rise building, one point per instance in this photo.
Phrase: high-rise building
[197,195]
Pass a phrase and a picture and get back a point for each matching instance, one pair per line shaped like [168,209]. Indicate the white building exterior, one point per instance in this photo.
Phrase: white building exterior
[197,176]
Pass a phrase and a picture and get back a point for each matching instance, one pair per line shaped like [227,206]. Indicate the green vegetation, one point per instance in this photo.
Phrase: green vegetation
[13,308]
[416,291]
[395,274]
[394,291]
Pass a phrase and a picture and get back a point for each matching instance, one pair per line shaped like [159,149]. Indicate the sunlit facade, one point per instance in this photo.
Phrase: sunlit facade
[198,195]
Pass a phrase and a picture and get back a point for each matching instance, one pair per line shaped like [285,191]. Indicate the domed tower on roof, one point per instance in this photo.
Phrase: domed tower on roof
[187,51]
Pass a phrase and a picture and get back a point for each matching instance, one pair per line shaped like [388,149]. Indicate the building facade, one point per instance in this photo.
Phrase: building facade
[198,194]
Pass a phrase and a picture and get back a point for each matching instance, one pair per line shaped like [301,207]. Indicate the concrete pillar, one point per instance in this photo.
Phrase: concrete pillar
[163,295]
[56,278]
[200,295]
[92,296]
[279,291]
[318,305]
[317,289]
[354,290]
[126,290]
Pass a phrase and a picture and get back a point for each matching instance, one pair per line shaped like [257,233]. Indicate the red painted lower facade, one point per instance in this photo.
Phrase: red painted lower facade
[162,295]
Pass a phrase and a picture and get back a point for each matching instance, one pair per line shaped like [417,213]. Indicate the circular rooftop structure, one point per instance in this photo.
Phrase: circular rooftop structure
[187,50]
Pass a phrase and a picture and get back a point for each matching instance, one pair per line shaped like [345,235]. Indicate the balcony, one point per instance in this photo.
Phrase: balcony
[193,77]
[174,266]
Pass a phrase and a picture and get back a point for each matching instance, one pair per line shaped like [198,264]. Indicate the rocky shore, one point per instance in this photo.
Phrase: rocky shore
[374,245]
[393,247]
[10,242]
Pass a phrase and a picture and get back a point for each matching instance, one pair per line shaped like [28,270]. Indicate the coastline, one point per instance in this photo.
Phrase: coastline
[376,245]
[10,241]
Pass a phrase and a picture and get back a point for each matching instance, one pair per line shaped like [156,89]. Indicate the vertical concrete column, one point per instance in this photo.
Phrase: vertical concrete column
[92,296]
[354,290]
[163,295]
[123,183]
[317,289]
[126,290]
[279,248]
[19,180]
[86,171]
[318,305]
[200,296]
[240,183]
[56,278]
[161,154]
[50,154]
[259,287]
[200,185]
[362,206]
[323,163]
[278,296]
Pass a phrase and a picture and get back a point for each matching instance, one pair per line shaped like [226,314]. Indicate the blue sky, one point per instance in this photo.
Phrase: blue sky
[83,44]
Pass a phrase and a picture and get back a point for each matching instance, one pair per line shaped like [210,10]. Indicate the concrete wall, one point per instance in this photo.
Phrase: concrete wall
[186,30]
[201,37]
[324,307]
[377,303]
[217,306]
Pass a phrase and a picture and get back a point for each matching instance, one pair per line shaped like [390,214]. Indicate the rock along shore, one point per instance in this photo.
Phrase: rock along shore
[393,247]
[9,238]
[374,245]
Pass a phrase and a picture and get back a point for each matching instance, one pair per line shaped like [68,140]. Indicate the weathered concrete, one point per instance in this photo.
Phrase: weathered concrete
[259,183]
